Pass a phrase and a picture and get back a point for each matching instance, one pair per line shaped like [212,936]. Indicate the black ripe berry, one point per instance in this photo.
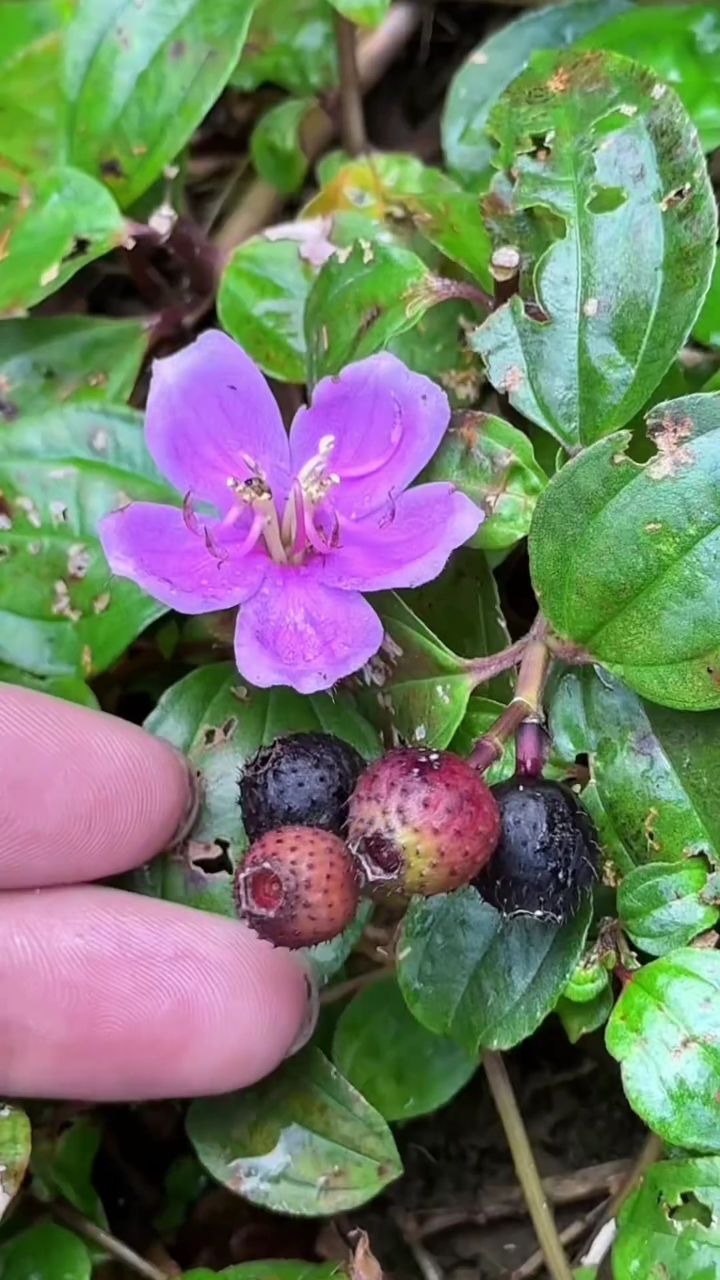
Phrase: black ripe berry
[546,859]
[297,886]
[304,779]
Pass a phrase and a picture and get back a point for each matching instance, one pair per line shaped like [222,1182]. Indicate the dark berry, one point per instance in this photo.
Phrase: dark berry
[547,856]
[297,886]
[303,779]
[422,821]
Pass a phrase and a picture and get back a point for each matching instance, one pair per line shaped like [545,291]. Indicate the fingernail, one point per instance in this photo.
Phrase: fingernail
[312,1009]
[194,792]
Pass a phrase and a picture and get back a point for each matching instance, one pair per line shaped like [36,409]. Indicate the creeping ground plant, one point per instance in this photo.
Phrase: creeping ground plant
[360,460]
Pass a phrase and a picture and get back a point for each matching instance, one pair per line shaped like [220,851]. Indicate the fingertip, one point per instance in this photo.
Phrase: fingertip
[84,794]
[110,996]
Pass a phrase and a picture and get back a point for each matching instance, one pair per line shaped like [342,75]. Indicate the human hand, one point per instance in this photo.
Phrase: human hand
[106,995]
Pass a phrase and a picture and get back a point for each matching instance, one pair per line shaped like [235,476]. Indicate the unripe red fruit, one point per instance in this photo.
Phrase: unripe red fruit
[297,886]
[422,821]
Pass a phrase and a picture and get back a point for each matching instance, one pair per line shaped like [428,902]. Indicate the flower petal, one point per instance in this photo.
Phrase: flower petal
[151,544]
[405,546]
[387,423]
[297,632]
[208,406]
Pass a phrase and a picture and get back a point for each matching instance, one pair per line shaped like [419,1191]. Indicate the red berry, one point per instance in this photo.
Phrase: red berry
[297,886]
[422,821]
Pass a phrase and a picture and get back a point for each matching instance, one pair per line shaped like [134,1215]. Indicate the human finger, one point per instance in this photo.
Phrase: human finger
[111,996]
[82,794]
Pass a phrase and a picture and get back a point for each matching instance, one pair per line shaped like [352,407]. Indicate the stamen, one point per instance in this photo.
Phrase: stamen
[189,518]
[314,536]
[219,553]
[315,467]
[265,507]
[251,537]
[288,524]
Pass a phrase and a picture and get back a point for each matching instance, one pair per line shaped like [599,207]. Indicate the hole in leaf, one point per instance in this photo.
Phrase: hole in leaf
[80,246]
[690,1209]
[607,199]
[213,862]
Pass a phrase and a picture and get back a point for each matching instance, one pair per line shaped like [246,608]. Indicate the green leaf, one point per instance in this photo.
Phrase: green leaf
[25,21]
[63,1164]
[138,86]
[486,981]
[580,1019]
[302,1142]
[664,1032]
[218,721]
[680,43]
[45,1251]
[614,320]
[618,550]
[437,346]
[452,222]
[491,67]
[360,301]
[47,361]
[283,1269]
[62,220]
[707,325]
[654,770]
[261,303]
[276,145]
[32,111]
[292,46]
[462,608]
[400,1067]
[669,1225]
[417,689]
[494,464]
[15,1144]
[182,1186]
[68,687]
[365,12]
[61,612]
[666,905]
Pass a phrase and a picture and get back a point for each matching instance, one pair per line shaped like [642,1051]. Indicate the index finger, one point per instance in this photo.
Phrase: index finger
[82,794]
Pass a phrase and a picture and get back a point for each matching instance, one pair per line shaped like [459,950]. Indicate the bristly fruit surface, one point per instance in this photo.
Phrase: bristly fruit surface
[422,822]
[546,860]
[297,886]
[302,779]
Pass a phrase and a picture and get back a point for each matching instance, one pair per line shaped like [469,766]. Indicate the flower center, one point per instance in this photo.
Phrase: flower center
[308,523]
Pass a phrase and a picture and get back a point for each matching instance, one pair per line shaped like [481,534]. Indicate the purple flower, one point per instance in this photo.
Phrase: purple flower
[298,526]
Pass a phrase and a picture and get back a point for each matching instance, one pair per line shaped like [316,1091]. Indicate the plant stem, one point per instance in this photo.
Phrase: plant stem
[351,107]
[82,1226]
[531,748]
[649,1153]
[375,54]
[446,290]
[527,700]
[342,989]
[495,663]
[525,1167]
